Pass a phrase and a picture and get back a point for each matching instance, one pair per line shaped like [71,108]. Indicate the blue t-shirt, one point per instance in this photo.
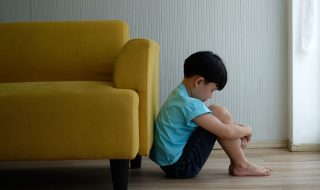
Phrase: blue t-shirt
[174,125]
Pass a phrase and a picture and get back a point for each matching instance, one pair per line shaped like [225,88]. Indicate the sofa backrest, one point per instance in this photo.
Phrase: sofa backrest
[58,51]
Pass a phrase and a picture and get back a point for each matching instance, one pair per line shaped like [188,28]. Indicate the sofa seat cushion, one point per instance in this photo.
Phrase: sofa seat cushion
[67,120]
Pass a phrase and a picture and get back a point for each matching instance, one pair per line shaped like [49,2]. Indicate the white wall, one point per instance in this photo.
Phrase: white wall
[305,81]
[250,36]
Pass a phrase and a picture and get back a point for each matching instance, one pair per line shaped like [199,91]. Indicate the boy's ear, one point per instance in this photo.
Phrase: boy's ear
[198,80]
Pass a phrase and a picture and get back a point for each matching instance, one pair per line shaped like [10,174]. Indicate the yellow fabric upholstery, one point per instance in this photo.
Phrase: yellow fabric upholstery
[132,67]
[76,90]
[67,120]
[58,51]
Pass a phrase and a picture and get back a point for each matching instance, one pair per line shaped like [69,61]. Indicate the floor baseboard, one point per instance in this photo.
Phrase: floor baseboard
[303,147]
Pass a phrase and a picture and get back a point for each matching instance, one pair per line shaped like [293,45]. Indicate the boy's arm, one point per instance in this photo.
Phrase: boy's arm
[214,125]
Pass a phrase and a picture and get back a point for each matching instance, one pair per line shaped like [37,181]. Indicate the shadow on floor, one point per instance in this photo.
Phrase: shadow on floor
[56,178]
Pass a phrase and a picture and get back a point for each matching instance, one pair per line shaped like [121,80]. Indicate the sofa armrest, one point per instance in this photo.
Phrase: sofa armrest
[137,68]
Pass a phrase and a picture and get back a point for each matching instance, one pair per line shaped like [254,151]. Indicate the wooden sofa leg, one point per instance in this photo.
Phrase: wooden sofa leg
[119,172]
[136,163]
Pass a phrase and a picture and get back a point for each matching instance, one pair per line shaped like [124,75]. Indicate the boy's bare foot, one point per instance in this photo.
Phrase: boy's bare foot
[249,169]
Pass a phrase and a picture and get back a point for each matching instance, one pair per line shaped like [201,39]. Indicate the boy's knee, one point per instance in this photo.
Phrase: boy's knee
[218,109]
[211,107]
[221,113]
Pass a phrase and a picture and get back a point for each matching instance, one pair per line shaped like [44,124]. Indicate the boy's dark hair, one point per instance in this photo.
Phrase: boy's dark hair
[208,65]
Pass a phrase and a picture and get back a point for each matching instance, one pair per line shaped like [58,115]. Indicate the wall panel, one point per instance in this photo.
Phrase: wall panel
[250,36]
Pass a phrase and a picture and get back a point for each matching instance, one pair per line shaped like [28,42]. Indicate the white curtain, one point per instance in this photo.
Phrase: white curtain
[307,24]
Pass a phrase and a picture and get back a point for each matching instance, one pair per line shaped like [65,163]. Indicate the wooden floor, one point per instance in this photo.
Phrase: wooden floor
[292,171]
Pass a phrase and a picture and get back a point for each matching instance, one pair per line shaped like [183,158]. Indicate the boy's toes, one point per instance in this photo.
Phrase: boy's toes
[268,172]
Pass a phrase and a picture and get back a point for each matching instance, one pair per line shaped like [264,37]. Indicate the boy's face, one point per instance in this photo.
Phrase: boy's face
[203,91]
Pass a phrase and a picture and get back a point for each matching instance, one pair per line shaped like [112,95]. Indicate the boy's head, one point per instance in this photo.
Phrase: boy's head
[207,65]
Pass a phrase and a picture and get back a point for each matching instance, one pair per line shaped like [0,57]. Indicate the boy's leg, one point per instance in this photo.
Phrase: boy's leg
[239,165]
[194,156]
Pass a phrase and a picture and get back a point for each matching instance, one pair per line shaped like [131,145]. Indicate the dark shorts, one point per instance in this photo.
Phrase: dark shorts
[194,156]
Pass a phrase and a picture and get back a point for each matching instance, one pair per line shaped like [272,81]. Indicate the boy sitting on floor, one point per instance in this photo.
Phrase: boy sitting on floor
[186,130]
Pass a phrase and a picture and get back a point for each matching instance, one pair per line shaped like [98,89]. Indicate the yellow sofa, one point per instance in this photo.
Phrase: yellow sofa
[77,90]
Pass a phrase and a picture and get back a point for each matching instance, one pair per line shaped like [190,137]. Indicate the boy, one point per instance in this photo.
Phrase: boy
[186,130]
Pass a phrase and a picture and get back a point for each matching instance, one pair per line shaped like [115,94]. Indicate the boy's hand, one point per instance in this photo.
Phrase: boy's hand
[244,140]
[248,138]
